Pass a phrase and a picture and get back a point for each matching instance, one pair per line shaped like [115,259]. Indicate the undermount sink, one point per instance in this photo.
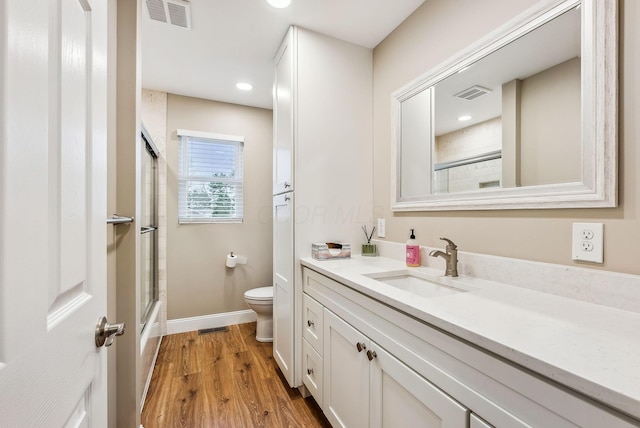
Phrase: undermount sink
[417,283]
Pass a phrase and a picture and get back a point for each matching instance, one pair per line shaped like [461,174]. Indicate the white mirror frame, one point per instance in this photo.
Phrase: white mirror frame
[599,66]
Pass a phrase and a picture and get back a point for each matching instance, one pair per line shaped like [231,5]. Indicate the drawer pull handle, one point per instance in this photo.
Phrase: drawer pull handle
[309,371]
[310,323]
[371,355]
[361,346]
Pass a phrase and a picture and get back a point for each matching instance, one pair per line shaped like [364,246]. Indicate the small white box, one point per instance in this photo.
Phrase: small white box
[330,250]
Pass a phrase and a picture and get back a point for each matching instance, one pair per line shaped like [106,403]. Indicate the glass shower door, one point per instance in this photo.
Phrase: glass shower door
[148,230]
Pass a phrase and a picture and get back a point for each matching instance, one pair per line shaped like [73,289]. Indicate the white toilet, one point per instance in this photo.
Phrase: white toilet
[261,301]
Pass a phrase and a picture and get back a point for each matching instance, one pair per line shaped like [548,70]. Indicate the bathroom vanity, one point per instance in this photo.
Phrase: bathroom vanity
[384,343]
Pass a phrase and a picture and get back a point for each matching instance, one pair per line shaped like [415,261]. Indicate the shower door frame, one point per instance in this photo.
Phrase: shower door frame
[151,150]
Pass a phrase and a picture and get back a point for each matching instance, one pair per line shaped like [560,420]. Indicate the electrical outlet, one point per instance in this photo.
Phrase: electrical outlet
[381,228]
[587,234]
[588,242]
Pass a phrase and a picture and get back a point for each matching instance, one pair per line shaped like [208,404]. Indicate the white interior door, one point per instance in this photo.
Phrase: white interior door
[52,212]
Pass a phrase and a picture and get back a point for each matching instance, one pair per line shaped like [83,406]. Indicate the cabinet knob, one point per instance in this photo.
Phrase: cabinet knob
[310,323]
[286,185]
[361,346]
[371,355]
[309,371]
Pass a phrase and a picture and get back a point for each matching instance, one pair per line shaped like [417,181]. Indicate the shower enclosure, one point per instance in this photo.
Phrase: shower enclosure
[148,293]
[148,230]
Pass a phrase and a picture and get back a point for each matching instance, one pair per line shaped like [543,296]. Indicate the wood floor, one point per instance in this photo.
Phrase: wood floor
[223,379]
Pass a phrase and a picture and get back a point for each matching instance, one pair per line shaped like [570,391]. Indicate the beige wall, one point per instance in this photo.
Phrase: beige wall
[435,32]
[197,281]
[127,203]
[550,125]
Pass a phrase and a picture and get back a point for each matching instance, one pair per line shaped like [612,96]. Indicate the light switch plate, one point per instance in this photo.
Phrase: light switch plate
[381,228]
[588,242]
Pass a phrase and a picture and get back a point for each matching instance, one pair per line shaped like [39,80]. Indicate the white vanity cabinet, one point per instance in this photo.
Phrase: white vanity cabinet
[397,393]
[346,374]
[383,368]
[365,386]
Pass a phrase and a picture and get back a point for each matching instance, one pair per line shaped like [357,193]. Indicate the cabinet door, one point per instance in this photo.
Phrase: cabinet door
[346,374]
[401,397]
[476,422]
[283,116]
[283,291]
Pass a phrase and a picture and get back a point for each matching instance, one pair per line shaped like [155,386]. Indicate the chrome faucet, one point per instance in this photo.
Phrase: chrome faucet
[451,256]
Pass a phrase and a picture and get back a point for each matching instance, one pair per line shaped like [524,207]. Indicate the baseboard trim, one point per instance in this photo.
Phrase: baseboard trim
[183,325]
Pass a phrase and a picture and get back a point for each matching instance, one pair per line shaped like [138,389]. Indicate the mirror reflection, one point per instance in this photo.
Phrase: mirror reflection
[510,119]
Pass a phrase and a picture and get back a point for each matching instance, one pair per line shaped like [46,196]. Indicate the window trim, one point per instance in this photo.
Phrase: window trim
[182,133]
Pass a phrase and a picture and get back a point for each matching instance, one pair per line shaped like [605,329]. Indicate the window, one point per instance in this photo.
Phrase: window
[210,178]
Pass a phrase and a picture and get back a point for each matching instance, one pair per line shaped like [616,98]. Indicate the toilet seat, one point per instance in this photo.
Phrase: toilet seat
[260,294]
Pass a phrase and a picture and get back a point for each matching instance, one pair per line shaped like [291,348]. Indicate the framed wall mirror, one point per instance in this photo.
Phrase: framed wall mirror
[525,118]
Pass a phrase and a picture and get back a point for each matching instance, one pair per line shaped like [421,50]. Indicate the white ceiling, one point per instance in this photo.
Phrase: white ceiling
[236,40]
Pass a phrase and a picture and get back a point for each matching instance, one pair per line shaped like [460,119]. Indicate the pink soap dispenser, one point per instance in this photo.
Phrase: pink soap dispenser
[413,251]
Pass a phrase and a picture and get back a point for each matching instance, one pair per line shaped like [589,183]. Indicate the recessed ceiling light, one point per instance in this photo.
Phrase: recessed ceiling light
[243,86]
[279,3]
[464,118]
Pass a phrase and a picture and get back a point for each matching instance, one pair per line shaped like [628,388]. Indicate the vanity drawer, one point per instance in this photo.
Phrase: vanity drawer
[312,371]
[312,318]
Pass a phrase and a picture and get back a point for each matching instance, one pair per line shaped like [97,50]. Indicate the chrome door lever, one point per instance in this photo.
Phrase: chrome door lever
[106,333]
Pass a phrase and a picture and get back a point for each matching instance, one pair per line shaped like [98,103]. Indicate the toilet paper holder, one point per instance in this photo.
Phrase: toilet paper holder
[233,260]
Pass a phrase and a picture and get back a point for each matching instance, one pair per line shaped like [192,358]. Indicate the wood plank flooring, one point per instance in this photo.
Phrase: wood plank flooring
[223,379]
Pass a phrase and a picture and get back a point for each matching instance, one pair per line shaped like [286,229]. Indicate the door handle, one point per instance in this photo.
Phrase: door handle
[144,229]
[105,332]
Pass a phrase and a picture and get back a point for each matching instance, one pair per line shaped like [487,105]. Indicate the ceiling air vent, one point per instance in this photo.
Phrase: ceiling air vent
[156,10]
[178,12]
[472,93]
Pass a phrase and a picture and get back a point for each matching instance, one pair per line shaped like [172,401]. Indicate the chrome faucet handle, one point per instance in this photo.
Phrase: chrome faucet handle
[451,245]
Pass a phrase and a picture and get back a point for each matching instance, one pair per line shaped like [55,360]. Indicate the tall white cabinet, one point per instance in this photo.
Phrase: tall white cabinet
[322,164]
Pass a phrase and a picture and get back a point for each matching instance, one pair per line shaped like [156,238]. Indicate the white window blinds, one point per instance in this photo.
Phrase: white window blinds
[210,181]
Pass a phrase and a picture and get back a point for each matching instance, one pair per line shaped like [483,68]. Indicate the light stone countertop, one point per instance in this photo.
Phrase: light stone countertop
[590,348]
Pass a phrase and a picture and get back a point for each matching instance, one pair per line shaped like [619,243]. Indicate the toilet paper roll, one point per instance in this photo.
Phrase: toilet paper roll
[231,261]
